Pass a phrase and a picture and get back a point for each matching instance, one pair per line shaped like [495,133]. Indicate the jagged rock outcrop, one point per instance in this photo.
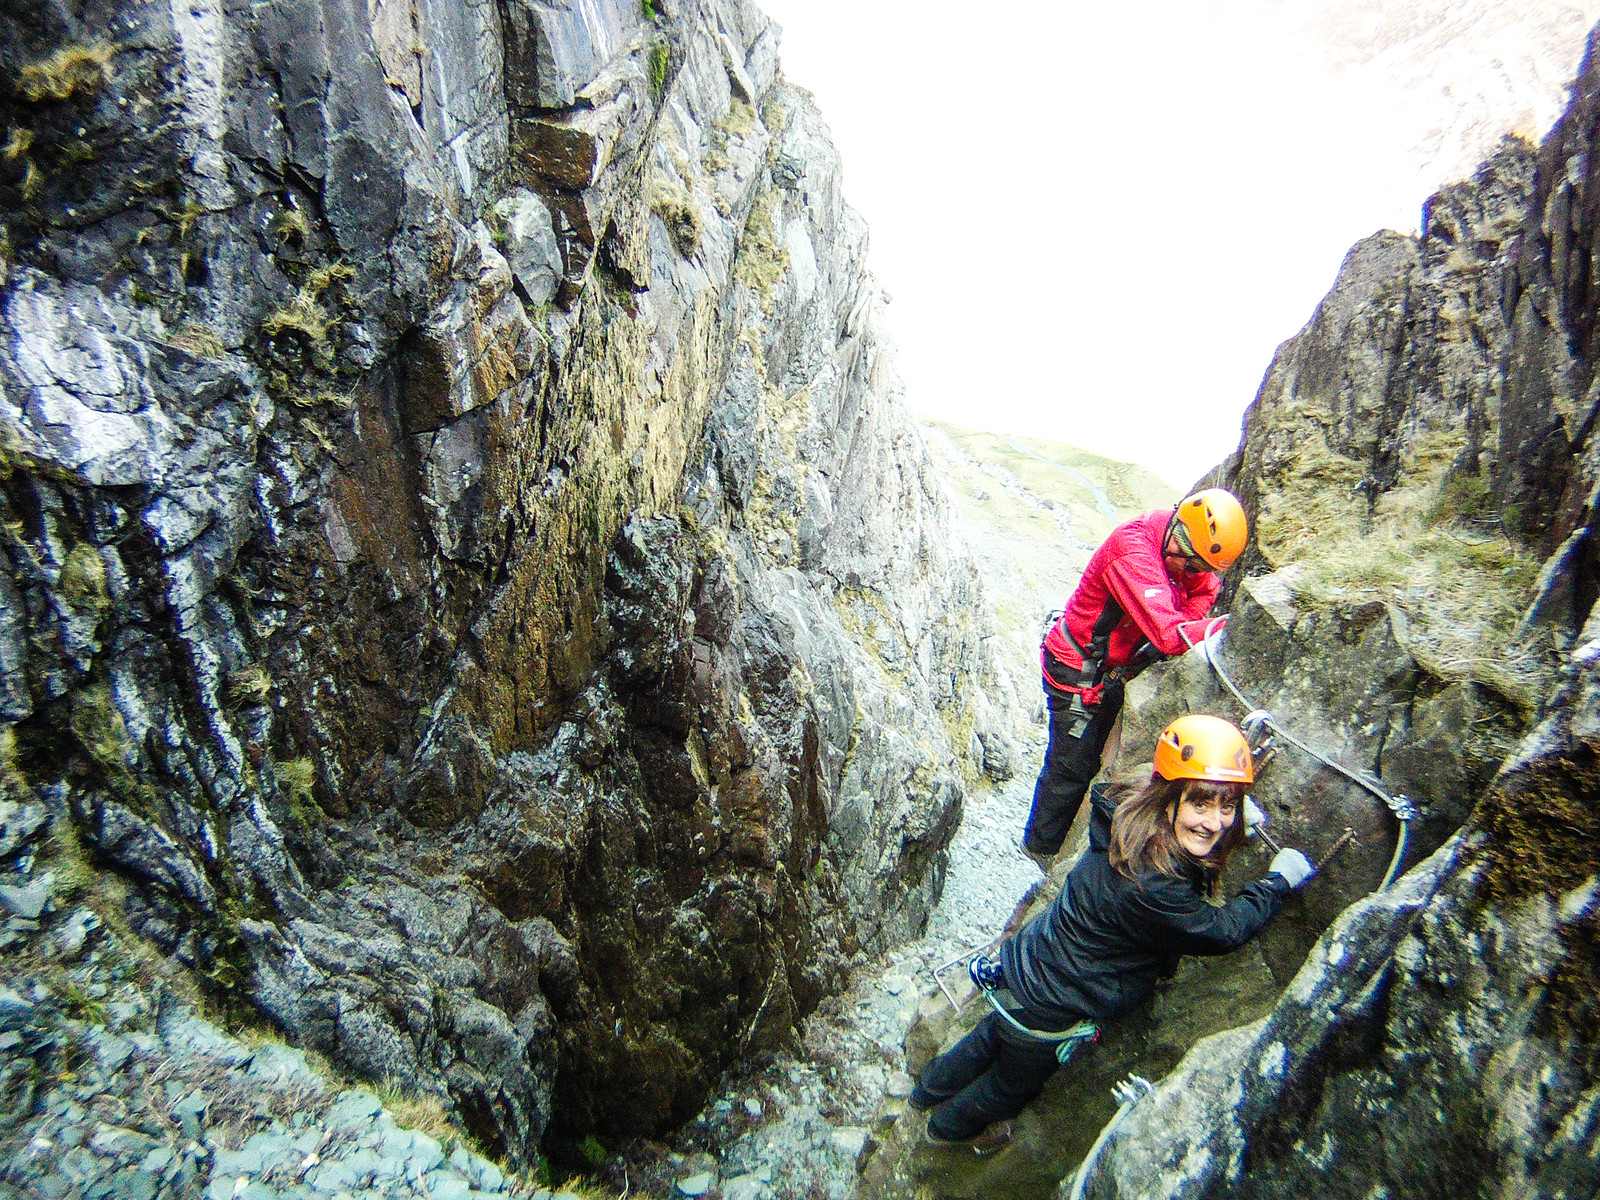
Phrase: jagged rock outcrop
[1439,1038]
[466,566]
[1420,470]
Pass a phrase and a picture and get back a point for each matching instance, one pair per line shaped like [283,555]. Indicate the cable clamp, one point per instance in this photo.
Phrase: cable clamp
[1403,807]
[1132,1089]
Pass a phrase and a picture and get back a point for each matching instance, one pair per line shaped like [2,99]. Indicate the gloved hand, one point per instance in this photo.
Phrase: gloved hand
[1257,729]
[985,972]
[1295,867]
[1253,816]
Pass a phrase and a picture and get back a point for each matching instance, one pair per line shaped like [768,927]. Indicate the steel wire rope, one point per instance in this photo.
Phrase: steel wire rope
[1401,806]
[1132,1090]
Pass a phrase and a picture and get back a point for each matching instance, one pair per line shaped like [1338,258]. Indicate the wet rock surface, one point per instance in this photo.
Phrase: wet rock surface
[805,1121]
[466,565]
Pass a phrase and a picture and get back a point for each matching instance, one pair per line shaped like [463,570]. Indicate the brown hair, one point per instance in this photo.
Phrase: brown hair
[1142,836]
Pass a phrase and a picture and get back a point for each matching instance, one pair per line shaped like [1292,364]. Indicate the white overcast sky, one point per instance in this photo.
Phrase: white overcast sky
[1097,220]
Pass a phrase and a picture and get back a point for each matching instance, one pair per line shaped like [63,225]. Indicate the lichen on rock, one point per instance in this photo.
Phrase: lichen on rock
[422,529]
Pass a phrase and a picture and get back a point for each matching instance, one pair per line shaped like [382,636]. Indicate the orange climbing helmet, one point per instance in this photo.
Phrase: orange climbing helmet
[1202,747]
[1215,525]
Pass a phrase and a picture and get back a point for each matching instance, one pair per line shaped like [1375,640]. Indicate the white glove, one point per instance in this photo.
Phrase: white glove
[1253,816]
[1295,867]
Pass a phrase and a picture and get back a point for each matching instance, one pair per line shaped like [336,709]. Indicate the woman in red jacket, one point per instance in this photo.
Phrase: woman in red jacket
[1153,575]
[1131,907]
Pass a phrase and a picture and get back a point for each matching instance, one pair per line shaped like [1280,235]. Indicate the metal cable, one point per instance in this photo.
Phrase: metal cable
[1130,1091]
[1400,805]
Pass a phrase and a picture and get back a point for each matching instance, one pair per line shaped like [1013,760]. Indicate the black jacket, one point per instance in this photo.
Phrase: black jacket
[1098,950]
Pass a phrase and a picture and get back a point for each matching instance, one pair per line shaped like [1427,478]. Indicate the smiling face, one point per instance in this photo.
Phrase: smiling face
[1200,820]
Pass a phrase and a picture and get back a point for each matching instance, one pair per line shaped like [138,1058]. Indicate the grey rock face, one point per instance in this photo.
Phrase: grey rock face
[160,1102]
[1434,1041]
[554,50]
[1419,468]
[531,246]
[466,564]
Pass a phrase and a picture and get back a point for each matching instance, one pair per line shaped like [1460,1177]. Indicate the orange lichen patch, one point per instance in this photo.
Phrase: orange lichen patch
[1544,827]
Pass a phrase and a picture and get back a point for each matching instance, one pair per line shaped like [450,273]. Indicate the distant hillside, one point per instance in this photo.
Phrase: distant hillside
[1031,512]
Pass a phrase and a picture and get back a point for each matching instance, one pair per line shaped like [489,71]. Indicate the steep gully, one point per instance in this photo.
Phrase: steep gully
[496,621]
[472,599]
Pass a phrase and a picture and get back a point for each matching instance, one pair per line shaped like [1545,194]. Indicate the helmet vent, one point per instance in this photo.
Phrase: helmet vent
[1187,753]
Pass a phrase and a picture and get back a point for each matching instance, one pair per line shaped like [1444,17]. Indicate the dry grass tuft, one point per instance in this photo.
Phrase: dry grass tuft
[1428,546]
[70,71]
[741,118]
[315,432]
[324,277]
[337,400]
[762,259]
[303,315]
[199,340]
[421,1111]
[291,225]
[13,783]
[587,1189]
[32,180]
[249,685]
[83,579]
[676,207]
[297,780]
[18,142]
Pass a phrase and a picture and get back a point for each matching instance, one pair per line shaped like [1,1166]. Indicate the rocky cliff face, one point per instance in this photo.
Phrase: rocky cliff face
[1420,471]
[1439,1038]
[468,580]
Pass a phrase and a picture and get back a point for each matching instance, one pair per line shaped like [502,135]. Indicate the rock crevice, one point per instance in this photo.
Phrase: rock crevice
[467,566]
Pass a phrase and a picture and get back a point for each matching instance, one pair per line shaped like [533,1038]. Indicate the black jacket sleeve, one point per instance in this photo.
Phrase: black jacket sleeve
[1101,809]
[1181,922]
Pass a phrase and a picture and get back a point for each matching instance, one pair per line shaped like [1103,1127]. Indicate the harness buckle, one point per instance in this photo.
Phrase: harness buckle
[1080,717]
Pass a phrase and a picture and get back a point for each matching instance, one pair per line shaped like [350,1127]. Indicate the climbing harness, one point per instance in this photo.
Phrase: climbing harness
[1127,1093]
[1399,804]
[1086,684]
[1067,1041]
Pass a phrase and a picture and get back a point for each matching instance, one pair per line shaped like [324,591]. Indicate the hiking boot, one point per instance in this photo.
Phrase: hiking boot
[1040,859]
[922,1100]
[990,1140]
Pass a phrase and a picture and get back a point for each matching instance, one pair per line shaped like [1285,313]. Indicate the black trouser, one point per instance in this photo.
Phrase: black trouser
[987,1076]
[1070,764]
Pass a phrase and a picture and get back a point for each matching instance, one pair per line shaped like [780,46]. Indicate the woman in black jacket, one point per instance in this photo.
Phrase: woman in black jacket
[1131,906]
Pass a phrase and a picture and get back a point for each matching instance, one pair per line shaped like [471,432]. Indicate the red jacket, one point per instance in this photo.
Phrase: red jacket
[1126,591]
